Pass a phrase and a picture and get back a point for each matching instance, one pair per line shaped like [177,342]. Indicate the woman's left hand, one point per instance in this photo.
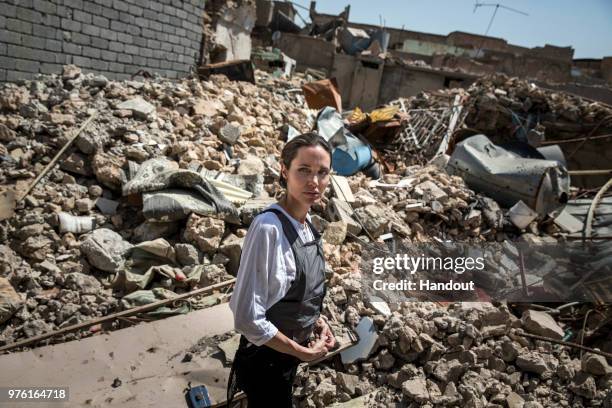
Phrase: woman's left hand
[326,333]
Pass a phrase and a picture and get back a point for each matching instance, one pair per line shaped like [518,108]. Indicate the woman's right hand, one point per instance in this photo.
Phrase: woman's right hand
[315,350]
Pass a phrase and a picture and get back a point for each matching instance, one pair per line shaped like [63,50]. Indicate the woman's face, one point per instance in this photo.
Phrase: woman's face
[308,174]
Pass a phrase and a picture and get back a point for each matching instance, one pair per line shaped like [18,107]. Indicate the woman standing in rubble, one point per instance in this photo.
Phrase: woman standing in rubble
[280,284]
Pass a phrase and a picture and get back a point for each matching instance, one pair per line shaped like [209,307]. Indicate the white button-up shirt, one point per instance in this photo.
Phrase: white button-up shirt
[267,268]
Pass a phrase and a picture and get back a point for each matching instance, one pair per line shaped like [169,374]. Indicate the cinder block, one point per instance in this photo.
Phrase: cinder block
[108,34]
[140,42]
[163,37]
[155,6]
[71,48]
[150,14]
[27,65]
[30,15]
[81,16]
[142,22]
[153,44]
[10,37]
[8,10]
[165,64]
[132,69]
[2,75]
[181,14]
[164,18]
[179,49]
[146,33]
[152,63]
[48,68]
[167,28]
[52,20]
[131,49]
[7,63]
[99,43]
[13,76]
[12,24]
[126,18]
[91,29]
[173,39]
[91,52]
[93,8]
[32,41]
[70,25]
[116,67]
[124,58]
[45,6]
[124,38]
[108,55]
[74,4]
[135,10]
[116,46]
[118,26]
[82,39]
[99,65]
[53,45]
[120,5]
[101,21]
[134,31]
[145,52]
[82,61]
[108,13]
[175,21]
[169,10]
[166,46]
[181,32]
[140,61]
[3,49]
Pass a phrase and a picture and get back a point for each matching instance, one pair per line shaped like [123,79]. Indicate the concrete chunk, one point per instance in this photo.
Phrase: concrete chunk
[542,324]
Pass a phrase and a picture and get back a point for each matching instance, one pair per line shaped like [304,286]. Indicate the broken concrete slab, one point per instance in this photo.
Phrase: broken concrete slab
[341,211]
[107,206]
[105,249]
[521,215]
[542,324]
[139,107]
[10,300]
[335,232]
[229,348]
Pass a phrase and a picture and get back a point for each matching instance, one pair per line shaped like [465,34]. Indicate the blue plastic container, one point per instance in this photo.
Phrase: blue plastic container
[349,162]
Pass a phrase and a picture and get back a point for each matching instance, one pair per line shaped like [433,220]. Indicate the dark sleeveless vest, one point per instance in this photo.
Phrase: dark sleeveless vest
[295,314]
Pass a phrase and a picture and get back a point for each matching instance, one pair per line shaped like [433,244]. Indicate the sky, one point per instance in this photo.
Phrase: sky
[586,25]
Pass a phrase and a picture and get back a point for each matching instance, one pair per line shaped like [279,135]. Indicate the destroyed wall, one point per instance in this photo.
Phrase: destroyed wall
[467,40]
[308,52]
[116,38]
[398,35]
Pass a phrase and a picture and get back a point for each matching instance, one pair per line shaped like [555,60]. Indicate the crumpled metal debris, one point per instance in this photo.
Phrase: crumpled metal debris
[507,177]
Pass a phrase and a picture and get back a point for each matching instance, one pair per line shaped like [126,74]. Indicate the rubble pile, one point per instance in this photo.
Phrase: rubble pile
[507,109]
[467,354]
[155,196]
[74,247]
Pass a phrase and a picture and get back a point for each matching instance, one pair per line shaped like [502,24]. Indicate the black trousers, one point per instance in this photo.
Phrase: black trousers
[265,375]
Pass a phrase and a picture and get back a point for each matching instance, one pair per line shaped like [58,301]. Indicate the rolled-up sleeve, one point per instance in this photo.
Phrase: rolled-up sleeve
[248,302]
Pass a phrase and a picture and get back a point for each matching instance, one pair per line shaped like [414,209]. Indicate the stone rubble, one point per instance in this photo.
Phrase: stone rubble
[73,242]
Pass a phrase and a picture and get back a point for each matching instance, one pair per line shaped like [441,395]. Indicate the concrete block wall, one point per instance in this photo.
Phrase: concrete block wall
[116,38]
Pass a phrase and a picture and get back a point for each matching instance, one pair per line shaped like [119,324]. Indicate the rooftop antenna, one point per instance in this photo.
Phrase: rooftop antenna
[497,7]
